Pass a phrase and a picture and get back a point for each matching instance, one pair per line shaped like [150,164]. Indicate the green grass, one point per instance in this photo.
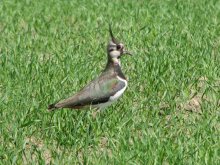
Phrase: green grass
[50,49]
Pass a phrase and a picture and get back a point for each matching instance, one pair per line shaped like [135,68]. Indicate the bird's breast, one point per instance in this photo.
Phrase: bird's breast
[120,92]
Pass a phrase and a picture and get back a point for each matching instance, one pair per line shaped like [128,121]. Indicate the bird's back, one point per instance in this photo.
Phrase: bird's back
[96,92]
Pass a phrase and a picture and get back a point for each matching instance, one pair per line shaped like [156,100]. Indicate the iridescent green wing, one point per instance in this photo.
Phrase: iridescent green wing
[98,91]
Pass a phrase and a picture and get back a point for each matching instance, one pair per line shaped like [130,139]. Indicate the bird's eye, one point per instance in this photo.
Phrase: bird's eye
[118,47]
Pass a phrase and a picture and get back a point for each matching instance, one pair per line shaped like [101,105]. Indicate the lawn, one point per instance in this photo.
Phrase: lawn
[170,113]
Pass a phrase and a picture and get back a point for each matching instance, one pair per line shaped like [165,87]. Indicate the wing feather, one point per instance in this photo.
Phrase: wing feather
[98,91]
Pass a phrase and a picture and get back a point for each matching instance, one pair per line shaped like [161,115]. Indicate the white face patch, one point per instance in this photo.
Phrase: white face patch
[115,50]
[115,53]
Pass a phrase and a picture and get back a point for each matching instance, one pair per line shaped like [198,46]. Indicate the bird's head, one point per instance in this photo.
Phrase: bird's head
[115,49]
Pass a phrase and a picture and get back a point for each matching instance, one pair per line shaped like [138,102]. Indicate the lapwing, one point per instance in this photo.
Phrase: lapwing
[105,89]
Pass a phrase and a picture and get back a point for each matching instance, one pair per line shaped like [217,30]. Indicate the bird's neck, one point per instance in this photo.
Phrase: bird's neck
[115,61]
[114,65]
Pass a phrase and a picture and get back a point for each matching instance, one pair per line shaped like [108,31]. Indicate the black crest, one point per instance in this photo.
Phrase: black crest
[112,36]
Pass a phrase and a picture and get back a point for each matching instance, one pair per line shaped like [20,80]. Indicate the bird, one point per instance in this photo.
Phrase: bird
[105,89]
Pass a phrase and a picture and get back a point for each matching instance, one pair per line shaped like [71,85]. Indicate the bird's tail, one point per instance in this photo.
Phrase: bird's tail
[52,107]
